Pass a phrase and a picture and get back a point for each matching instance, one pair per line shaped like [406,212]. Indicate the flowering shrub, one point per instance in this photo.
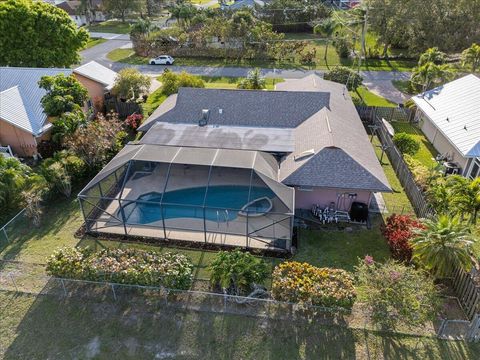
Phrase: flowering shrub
[123,266]
[398,231]
[304,283]
[396,294]
[133,121]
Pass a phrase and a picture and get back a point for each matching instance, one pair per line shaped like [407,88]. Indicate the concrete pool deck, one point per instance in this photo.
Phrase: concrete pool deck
[271,231]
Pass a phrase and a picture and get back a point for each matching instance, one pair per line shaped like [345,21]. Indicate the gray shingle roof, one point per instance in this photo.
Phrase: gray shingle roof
[321,114]
[243,107]
[20,97]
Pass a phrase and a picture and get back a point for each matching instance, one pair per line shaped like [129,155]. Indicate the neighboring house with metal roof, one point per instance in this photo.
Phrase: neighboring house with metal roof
[23,123]
[449,116]
[310,125]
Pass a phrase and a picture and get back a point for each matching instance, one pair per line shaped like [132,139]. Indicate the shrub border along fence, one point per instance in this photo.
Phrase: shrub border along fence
[203,301]
[375,115]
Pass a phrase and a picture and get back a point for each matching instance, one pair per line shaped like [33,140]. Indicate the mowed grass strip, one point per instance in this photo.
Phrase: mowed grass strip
[49,327]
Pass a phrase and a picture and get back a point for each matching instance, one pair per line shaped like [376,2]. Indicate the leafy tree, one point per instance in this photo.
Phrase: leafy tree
[96,142]
[306,14]
[327,28]
[15,178]
[397,295]
[184,13]
[64,94]
[464,197]
[57,177]
[67,124]
[236,271]
[344,75]
[432,55]
[343,47]
[254,81]
[471,56]
[37,34]
[120,8]
[130,84]
[442,244]
[406,143]
[171,82]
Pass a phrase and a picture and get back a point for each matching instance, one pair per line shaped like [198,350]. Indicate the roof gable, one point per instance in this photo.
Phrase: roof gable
[21,96]
[333,168]
[99,73]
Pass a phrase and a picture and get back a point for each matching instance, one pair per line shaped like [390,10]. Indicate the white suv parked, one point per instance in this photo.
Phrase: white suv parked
[162,60]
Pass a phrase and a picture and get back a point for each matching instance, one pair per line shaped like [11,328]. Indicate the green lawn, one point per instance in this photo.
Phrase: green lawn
[427,153]
[93,42]
[154,100]
[46,327]
[368,98]
[329,248]
[404,87]
[223,82]
[111,26]
[126,56]
[396,201]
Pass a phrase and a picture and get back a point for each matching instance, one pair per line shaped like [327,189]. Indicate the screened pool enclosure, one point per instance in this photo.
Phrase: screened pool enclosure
[214,196]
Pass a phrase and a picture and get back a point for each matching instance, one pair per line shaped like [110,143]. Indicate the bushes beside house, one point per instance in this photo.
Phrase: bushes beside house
[396,295]
[344,75]
[171,82]
[406,143]
[398,231]
[122,266]
[307,284]
[237,271]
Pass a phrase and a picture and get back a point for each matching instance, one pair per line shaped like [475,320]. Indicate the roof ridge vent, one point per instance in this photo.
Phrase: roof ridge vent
[304,154]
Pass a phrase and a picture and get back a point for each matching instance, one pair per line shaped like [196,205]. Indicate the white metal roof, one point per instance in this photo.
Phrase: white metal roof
[99,73]
[20,97]
[454,108]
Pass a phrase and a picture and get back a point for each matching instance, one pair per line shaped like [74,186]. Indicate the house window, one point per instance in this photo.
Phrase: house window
[475,170]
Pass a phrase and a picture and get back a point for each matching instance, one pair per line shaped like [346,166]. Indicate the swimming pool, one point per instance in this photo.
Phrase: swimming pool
[218,198]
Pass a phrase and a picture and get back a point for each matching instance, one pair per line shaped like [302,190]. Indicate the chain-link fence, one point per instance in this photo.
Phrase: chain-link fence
[12,228]
[32,279]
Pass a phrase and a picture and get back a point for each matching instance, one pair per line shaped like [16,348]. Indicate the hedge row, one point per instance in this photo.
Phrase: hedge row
[123,266]
[304,283]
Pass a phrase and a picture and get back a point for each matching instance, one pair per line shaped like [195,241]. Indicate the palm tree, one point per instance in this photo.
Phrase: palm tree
[442,244]
[472,56]
[253,81]
[430,74]
[326,28]
[432,55]
[465,198]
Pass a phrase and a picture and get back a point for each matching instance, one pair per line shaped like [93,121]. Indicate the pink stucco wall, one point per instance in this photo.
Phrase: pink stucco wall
[324,196]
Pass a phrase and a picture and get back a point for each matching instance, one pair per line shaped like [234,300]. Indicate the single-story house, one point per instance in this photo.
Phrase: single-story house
[23,123]
[449,116]
[74,9]
[233,166]
[242,4]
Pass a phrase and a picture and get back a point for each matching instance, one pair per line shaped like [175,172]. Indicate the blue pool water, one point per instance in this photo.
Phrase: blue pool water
[218,198]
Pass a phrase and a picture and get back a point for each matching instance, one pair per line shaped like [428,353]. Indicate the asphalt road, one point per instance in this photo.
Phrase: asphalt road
[379,82]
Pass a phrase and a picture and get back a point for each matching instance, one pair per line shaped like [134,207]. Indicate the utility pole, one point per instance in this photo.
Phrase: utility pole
[364,37]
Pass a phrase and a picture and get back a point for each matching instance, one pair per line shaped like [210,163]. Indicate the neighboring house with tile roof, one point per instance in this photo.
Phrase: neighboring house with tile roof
[449,116]
[23,123]
[74,9]
[310,125]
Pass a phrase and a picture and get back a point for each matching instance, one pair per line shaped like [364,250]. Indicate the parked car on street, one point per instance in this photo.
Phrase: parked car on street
[162,60]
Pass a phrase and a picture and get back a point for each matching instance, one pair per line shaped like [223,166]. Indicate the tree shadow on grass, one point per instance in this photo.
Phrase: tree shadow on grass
[54,219]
